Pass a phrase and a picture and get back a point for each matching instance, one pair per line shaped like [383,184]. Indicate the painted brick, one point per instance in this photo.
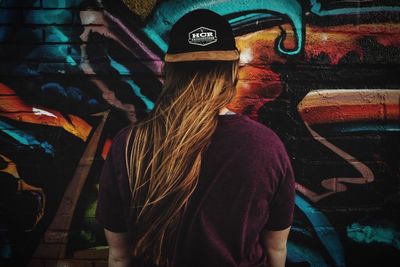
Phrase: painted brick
[62,34]
[100,254]
[24,34]
[16,69]
[4,32]
[9,51]
[68,263]
[139,67]
[312,175]
[46,52]
[364,148]
[313,75]
[10,16]
[58,16]
[55,237]
[101,69]
[60,3]
[100,264]
[50,251]
[59,68]
[36,263]
[20,3]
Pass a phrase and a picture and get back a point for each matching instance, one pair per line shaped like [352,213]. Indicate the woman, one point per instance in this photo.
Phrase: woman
[195,184]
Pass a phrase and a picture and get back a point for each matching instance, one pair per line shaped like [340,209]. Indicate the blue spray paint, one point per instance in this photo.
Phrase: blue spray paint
[300,253]
[122,70]
[54,88]
[367,234]
[323,229]
[25,139]
[300,230]
[168,12]
[73,94]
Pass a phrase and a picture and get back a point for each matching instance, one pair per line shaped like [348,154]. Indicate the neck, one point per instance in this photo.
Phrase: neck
[225,110]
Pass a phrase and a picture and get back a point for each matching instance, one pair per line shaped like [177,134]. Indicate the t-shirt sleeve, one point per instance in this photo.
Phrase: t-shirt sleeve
[110,209]
[282,204]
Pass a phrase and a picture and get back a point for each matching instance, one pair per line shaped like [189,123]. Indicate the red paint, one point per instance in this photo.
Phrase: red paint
[259,84]
[348,113]
[12,107]
[106,148]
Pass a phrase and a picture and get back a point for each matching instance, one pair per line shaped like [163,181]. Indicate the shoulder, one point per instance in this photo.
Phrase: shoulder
[119,142]
[264,145]
[269,151]
[261,136]
[122,135]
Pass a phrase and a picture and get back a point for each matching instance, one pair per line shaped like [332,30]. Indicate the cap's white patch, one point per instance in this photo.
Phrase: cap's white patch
[202,36]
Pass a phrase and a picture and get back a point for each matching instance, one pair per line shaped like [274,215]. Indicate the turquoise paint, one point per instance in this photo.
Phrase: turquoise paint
[301,253]
[300,230]
[149,104]
[60,52]
[49,51]
[362,127]
[156,38]
[63,51]
[25,138]
[122,70]
[367,234]
[168,12]
[323,229]
[316,8]
[55,35]
[48,16]
[250,18]
[60,3]
[370,128]
[70,60]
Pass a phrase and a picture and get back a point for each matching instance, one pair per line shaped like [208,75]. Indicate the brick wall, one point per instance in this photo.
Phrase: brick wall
[72,73]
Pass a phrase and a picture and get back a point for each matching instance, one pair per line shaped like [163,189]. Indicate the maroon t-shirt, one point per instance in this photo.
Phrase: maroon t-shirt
[246,184]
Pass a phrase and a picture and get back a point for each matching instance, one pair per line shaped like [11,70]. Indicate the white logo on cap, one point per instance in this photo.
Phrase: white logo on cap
[202,36]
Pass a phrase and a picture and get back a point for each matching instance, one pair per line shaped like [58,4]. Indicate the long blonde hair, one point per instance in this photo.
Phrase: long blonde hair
[165,151]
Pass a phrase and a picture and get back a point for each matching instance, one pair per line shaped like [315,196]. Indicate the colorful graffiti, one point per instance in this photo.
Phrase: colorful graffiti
[322,74]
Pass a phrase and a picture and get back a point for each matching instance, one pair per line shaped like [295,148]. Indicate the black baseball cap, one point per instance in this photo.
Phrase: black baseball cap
[201,35]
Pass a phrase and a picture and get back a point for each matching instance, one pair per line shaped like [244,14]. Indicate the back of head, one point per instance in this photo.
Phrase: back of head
[165,158]
[205,83]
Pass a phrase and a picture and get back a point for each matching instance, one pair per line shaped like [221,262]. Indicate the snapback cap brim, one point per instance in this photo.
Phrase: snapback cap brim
[223,55]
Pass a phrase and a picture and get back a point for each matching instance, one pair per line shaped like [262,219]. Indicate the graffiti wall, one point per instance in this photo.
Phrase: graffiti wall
[324,75]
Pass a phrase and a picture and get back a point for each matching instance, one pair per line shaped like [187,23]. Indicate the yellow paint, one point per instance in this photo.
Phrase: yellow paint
[141,8]
[23,186]
[11,167]
[341,97]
